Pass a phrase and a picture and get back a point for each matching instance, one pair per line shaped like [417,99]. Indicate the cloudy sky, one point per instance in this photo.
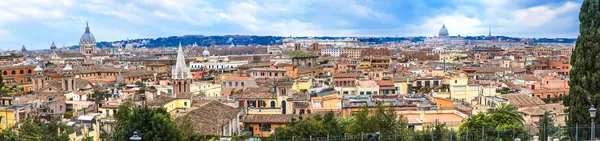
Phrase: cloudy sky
[37,23]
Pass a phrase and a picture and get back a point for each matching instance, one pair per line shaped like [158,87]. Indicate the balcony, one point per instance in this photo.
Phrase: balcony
[264,110]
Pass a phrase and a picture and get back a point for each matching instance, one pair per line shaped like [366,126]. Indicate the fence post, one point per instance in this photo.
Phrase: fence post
[498,134]
[310,138]
[576,131]
[451,133]
[558,136]
[361,136]
[292,138]
[482,136]
[513,131]
[467,134]
[432,135]
[395,136]
[345,136]
[327,137]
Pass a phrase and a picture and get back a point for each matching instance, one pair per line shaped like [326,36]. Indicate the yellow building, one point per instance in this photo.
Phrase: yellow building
[326,101]
[87,128]
[172,105]
[209,89]
[7,117]
[270,105]
[302,84]
[461,90]
[402,84]
[451,57]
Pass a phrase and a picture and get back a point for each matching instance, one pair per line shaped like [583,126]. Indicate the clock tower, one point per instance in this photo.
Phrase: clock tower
[87,42]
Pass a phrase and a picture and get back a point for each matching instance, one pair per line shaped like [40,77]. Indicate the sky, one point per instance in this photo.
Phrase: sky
[38,23]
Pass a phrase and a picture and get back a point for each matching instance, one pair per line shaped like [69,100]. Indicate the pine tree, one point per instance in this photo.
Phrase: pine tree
[585,74]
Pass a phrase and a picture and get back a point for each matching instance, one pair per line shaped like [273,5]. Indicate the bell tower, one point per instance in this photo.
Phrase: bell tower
[68,78]
[180,75]
[38,78]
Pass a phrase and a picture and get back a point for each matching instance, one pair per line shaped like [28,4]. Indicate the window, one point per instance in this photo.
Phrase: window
[184,103]
[265,127]
[262,104]
[362,93]
[242,84]
[455,81]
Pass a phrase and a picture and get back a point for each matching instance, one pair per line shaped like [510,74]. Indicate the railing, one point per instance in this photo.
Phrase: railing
[528,133]
[264,109]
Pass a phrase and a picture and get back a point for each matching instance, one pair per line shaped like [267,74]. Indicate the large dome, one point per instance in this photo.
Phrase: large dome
[205,53]
[87,36]
[443,32]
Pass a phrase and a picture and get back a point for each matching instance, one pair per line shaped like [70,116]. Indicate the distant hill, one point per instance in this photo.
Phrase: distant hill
[245,40]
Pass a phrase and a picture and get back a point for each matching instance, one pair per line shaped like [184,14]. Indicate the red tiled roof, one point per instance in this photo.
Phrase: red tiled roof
[270,118]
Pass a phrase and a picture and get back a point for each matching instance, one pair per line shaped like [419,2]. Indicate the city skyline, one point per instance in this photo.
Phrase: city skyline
[36,24]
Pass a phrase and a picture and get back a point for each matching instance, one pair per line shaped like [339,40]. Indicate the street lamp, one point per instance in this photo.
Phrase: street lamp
[135,137]
[593,115]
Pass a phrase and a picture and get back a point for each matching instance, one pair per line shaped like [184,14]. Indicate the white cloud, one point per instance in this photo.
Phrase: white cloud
[540,15]
[455,23]
[505,17]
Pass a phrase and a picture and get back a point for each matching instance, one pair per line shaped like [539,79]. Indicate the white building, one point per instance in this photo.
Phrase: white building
[217,64]
[347,42]
[333,52]
[209,89]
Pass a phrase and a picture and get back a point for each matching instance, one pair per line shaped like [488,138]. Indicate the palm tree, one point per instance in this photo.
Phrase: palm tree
[507,109]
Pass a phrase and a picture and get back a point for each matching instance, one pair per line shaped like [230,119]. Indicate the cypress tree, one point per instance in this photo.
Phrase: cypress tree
[585,73]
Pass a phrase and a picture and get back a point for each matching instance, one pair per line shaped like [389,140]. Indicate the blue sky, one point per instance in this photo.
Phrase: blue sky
[37,23]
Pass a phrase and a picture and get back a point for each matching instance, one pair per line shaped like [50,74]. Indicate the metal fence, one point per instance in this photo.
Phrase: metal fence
[529,133]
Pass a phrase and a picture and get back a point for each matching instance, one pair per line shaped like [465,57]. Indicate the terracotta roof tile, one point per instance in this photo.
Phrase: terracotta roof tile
[270,118]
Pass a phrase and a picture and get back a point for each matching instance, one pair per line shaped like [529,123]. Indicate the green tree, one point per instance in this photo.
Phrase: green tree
[186,125]
[9,135]
[98,97]
[140,83]
[507,109]
[439,131]
[504,120]
[29,130]
[545,127]
[152,124]
[585,72]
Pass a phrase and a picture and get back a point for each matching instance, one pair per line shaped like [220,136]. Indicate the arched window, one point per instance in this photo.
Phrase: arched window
[13,72]
[272,104]
[4,73]
[29,71]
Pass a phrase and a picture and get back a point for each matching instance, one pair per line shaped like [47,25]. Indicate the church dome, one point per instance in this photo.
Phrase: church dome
[205,53]
[443,32]
[53,46]
[87,36]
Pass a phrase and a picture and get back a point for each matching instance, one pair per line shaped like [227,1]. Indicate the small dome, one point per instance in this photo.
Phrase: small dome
[129,46]
[68,68]
[38,68]
[205,53]
[87,36]
[443,32]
